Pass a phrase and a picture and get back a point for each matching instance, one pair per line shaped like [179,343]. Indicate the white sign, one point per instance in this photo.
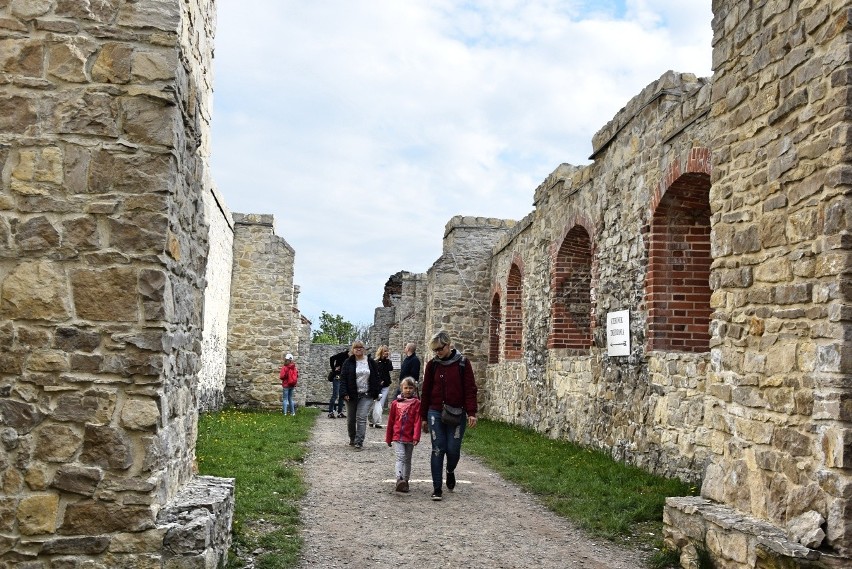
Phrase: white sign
[618,333]
[396,359]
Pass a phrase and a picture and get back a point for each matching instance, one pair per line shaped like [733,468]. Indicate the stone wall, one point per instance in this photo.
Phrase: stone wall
[104,119]
[264,323]
[741,184]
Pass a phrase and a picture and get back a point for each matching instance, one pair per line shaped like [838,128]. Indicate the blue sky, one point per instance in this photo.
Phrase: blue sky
[364,126]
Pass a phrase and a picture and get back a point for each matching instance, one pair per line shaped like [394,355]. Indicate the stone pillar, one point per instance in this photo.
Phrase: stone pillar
[459,284]
[781,357]
[263,322]
[104,113]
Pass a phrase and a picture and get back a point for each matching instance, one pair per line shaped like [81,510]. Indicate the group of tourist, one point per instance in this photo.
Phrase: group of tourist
[444,405]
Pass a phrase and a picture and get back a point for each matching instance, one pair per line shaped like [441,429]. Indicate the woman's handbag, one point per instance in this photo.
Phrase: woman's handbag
[452,416]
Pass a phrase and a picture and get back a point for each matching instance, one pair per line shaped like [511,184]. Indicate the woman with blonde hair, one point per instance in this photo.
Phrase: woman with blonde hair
[447,407]
[360,383]
[384,366]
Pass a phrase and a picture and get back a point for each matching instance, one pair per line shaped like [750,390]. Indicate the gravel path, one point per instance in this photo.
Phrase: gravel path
[354,518]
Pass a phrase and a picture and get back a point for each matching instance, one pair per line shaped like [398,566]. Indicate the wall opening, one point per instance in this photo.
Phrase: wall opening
[571,282]
[494,331]
[677,286]
[514,326]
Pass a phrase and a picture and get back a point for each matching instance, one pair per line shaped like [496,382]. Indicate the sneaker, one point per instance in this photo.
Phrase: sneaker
[359,447]
[451,481]
[400,485]
[331,415]
[378,426]
[341,416]
[436,496]
[352,442]
[372,425]
[404,486]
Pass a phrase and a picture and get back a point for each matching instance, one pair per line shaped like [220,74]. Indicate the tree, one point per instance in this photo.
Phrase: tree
[334,330]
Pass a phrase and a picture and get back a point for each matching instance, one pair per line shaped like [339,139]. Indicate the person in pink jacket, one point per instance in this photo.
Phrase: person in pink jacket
[403,430]
[289,379]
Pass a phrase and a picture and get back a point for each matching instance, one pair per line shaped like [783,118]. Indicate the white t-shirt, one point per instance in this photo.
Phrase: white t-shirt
[362,375]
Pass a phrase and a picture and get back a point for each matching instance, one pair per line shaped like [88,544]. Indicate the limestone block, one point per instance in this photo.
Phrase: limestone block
[160,14]
[728,545]
[86,112]
[112,65]
[150,121]
[141,542]
[35,291]
[37,514]
[29,9]
[36,234]
[77,479]
[93,545]
[23,417]
[39,165]
[56,442]
[140,414]
[107,447]
[806,529]
[18,115]
[22,57]
[12,481]
[36,477]
[68,60]
[93,518]
[8,507]
[106,295]
[93,406]
[102,11]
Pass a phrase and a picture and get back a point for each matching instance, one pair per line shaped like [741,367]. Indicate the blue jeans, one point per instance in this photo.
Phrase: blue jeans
[445,441]
[336,394]
[287,399]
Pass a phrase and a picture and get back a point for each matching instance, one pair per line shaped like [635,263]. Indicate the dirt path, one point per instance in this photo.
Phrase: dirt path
[353,518]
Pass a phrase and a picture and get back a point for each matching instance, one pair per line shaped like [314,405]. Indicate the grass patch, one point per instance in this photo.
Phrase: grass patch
[606,498]
[264,451]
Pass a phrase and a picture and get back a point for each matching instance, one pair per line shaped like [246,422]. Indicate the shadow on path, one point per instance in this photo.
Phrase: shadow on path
[354,518]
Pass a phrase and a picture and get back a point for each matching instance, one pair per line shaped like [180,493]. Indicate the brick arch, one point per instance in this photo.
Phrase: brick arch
[677,285]
[513,324]
[494,328]
[571,308]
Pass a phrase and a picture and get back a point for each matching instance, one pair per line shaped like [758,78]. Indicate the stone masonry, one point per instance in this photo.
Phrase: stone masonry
[716,212]
[264,324]
[104,131]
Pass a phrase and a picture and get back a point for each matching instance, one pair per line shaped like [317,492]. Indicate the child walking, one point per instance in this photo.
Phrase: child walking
[403,429]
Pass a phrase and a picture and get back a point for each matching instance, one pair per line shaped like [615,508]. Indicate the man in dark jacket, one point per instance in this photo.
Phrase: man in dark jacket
[410,366]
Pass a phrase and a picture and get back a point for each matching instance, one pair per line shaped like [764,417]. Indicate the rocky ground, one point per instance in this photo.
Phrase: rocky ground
[354,518]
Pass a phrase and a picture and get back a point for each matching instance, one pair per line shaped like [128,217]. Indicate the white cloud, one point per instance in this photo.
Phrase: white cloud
[365,126]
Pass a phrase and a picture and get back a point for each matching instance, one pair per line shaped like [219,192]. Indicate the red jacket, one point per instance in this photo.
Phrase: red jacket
[289,375]
[404,421]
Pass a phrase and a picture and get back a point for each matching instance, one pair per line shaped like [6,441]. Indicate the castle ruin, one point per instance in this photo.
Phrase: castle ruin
[715,211]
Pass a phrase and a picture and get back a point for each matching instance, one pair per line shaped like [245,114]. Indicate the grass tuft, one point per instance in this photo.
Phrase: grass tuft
[606,498]
[264,452]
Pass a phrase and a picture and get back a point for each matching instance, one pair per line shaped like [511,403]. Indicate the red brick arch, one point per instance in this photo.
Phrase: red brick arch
[513,326]
[677,284]
[494,321]
[571,303]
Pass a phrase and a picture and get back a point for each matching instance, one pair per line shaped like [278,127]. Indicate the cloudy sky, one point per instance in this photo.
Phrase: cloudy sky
[363,126]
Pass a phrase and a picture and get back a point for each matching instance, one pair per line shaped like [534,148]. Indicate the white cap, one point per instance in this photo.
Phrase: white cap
[288,357]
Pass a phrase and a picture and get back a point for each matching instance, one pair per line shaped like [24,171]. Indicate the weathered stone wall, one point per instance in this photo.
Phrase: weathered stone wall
[457,286]
[314,368]
[410,317]
[217,303]
[264,324]
[780,365]
[646,408]
[104,113]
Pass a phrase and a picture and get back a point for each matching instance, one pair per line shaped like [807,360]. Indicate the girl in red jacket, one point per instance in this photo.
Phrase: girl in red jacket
[289,378]
[404,430]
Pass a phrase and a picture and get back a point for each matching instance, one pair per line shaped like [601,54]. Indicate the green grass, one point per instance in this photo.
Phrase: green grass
[264,451]
[604,497]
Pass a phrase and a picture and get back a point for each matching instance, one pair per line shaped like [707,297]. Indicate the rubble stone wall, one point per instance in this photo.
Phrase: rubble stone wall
[104,120]
[264,324]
